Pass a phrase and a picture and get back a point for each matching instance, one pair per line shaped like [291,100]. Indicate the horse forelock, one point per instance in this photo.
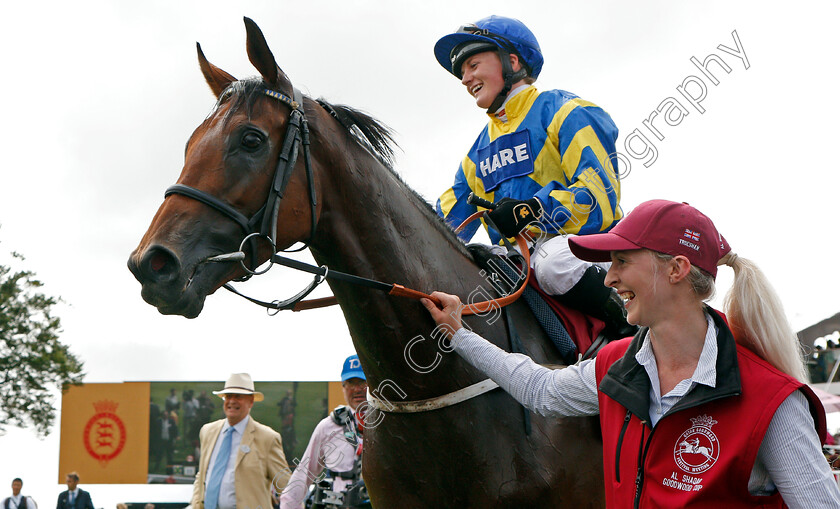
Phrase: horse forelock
[242,95]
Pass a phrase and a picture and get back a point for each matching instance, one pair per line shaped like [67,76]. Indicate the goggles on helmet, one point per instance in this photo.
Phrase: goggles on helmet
[467,49]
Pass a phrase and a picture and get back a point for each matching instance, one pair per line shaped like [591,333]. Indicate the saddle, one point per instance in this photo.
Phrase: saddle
[575,335]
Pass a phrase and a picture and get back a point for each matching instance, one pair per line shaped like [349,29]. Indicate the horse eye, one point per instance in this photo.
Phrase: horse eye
[251,140]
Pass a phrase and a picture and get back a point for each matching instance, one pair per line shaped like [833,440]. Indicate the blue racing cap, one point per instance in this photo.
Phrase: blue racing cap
[352,369]
[493,32]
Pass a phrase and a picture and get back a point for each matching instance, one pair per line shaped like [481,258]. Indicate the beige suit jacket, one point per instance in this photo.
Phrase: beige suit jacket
[259,469]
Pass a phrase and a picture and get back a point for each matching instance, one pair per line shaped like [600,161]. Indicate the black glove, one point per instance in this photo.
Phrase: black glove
[512,216]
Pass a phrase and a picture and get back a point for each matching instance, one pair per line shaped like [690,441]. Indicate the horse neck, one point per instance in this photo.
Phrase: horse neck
[374,226]
[377,227]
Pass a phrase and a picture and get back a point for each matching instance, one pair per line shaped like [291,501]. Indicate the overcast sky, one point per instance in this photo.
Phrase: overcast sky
[99,99]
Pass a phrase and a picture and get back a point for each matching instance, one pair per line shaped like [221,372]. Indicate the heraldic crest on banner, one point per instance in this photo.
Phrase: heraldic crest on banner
[104,435]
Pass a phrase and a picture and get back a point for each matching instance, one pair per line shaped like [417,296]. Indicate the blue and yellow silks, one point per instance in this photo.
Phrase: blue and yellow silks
[554,146]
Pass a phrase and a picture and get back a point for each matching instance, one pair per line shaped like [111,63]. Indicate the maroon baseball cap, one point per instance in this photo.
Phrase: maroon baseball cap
[662,226]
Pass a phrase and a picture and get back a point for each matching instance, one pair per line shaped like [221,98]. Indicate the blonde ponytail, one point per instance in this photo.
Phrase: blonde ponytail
[758,320]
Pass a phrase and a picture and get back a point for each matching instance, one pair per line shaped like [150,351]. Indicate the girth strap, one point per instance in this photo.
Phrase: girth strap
[424,405]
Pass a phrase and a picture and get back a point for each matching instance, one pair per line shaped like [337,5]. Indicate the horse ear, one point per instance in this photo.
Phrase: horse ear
[261,57]
[215,77]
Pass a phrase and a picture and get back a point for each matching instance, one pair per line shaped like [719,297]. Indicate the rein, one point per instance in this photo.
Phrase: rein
[296,303]
[323,272]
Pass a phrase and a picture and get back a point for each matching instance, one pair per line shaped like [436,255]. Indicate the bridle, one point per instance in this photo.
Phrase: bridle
[297,134]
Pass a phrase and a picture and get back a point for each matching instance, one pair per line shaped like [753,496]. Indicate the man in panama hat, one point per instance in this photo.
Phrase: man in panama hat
[240,459]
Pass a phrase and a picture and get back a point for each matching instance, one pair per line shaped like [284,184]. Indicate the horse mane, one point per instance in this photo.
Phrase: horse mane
[367,132]
[378,140]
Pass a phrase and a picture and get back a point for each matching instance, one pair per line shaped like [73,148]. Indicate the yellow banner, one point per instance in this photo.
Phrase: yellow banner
[335,396]
[105,433]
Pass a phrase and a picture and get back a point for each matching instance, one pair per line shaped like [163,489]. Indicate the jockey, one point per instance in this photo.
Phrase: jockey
[546,159]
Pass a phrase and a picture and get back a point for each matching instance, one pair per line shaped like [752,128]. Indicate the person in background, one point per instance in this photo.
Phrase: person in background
[241,459]
[203,412]
[335,445]
[191,426]
[286,411]
[18,501]
[172,403]
[155,444]
[168,437]
[74,497]
[698,409]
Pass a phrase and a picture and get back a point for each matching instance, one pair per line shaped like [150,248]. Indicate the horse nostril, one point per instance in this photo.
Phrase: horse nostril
[160,265]
[157,262]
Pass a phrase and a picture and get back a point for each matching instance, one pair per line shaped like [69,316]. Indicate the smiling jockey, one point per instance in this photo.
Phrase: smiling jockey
[546,159]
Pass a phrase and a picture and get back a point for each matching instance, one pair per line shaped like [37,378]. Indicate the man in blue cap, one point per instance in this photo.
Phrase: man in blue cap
[546,159]
[335,448]
[353,382]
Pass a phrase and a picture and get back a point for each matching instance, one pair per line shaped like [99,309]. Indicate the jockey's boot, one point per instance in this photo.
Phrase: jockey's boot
[593,298]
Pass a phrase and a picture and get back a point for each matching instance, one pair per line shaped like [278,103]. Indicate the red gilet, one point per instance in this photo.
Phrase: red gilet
[702,451]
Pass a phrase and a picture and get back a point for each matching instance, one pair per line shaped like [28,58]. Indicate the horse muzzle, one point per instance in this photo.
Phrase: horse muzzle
[168,284]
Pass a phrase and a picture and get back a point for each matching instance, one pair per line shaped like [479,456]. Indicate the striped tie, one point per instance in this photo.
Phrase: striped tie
[211,498]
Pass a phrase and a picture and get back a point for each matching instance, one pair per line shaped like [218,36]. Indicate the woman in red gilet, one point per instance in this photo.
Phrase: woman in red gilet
[698,408]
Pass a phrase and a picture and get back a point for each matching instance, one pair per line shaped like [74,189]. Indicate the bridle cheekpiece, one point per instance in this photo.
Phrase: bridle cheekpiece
[297,134]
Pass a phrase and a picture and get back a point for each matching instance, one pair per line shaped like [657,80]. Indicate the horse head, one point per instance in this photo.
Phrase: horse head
[228,188]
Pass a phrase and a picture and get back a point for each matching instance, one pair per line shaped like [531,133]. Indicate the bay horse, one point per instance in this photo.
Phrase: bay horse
[359,217]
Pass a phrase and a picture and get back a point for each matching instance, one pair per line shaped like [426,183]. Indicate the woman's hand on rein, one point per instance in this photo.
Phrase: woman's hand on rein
[449,315]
